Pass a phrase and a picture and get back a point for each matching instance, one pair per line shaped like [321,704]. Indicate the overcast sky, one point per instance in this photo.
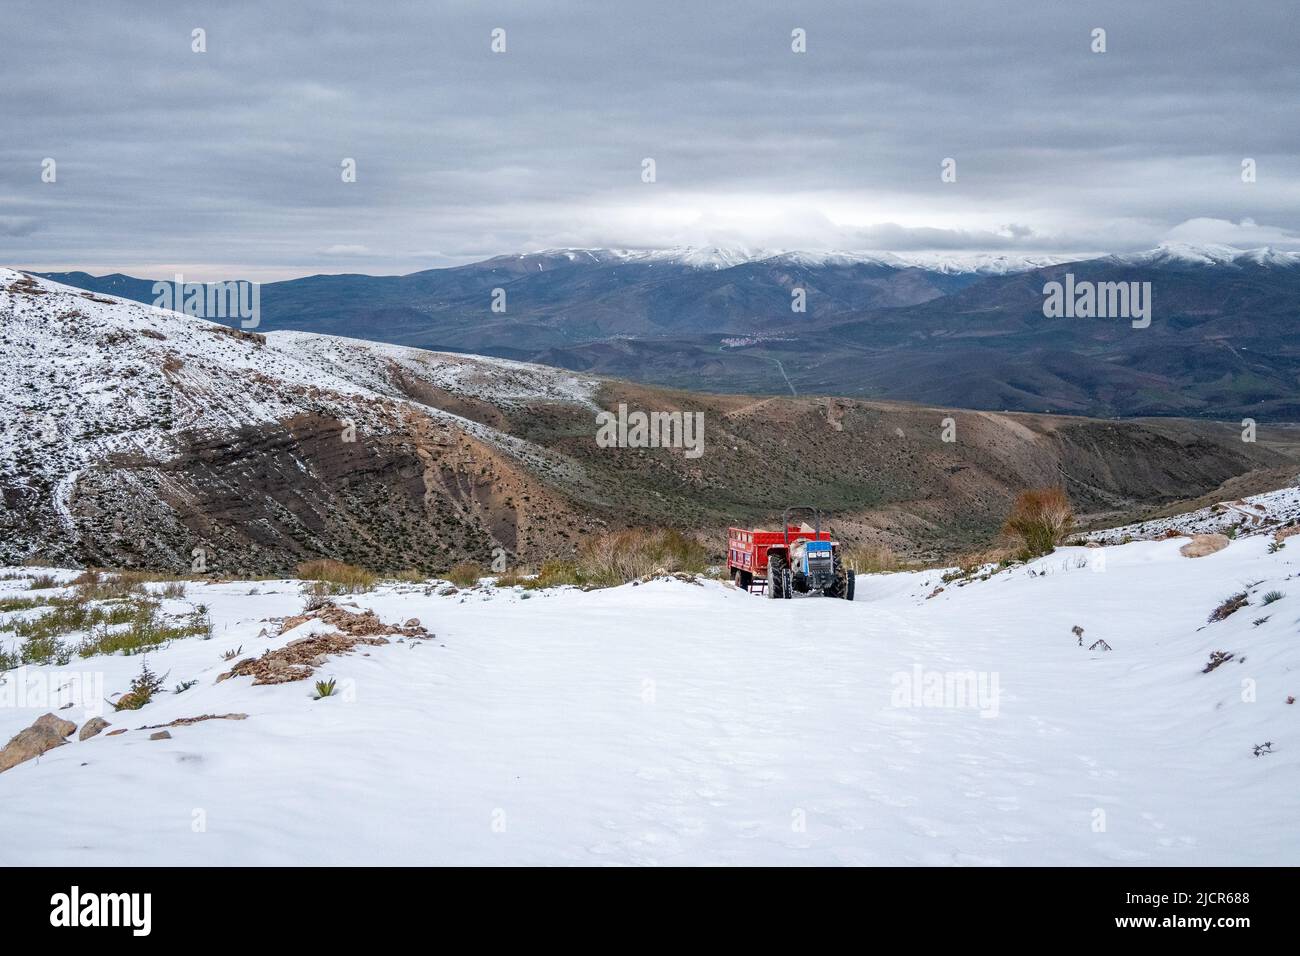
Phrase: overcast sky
[228,163]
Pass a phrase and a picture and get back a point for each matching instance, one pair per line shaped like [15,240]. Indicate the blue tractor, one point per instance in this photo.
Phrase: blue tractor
[798,558]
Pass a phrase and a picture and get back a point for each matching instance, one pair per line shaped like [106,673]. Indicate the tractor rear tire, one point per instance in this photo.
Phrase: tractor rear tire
[849,581]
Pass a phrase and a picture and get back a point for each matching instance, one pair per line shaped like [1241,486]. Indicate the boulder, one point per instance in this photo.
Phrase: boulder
[160,735]
[60,726]
[44,735]
[92,727]
[1203,544]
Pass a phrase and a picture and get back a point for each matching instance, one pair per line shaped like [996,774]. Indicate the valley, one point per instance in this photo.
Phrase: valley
[135,437]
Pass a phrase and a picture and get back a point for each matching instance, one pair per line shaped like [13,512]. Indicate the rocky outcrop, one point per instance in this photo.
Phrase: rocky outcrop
[48,732]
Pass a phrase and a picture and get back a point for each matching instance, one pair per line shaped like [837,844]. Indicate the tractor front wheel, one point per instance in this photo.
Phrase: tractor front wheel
[777,576]
[842,585]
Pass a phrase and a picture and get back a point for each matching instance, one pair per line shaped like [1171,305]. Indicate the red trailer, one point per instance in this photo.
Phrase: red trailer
[747,552]
[751,552]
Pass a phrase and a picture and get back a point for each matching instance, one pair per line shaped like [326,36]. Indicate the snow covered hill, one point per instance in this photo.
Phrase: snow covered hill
[689,723]
[128,431]
[1253,515]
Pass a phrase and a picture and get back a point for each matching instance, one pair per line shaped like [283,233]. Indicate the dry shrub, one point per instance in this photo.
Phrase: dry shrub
[871,558]
[339,578]
[520,577]
[1231,605]
[1039,519]
[97,586]
[555,573]
[617,558]
[466,574]
[624,556]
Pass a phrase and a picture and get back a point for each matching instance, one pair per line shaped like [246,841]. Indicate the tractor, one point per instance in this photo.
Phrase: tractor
[798,558]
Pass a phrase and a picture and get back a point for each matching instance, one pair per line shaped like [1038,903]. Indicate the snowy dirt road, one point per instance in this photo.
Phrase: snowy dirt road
[679,723]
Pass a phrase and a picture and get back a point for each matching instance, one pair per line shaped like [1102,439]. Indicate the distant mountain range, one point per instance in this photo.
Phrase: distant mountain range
[965,331]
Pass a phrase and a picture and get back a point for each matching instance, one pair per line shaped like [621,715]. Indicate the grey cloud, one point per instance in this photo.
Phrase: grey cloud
[230,159]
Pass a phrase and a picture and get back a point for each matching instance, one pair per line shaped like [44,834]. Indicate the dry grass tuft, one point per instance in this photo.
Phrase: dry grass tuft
[466,574]
[872,559]
[616,558]
[335,577]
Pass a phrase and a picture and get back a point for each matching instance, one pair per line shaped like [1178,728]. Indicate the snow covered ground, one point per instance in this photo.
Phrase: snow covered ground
[1256,514]
[681,723]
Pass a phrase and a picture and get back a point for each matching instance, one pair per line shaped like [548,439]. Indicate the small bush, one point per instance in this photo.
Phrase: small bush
[1272,596]
[1230,605]
[1275,546]
[200,622]
[232,653]
[339,578]
[465,574]
[326,688]
[172,589]
[143,687]
[21,603]
[45,649]
[1217,659]
[316,596]
[145,631]
[43,581]
[184,686]
[128,627]
[1039,519]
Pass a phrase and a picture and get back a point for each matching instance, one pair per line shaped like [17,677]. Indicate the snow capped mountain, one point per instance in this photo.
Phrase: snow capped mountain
[956,264]
[1180,254]
[983,264]
[718,258]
